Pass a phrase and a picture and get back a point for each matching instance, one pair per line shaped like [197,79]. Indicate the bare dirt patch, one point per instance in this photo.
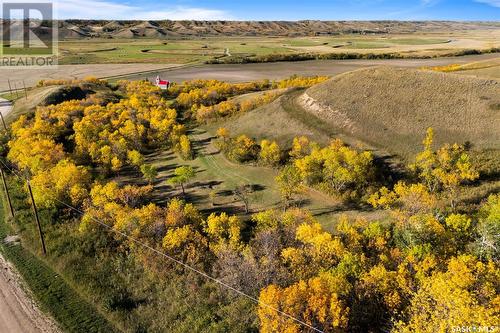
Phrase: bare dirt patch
[281,70]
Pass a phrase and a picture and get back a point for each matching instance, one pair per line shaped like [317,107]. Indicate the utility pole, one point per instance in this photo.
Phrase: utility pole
[7,192]
[15,89]
[3,123]
[10,87]
[44,250]
[25,91]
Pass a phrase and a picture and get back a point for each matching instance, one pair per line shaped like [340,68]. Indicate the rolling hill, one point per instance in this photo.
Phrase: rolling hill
[383,108]
[390,107]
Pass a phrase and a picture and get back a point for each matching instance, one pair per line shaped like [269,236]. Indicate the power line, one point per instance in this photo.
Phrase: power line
[179,262]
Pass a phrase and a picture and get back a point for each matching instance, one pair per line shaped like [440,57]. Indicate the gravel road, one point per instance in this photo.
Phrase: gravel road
[18,312]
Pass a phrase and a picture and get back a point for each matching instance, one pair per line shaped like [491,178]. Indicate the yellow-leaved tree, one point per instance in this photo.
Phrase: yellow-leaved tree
[317,302]
[65,181]
[318,250]
[445,169]
[289,183]
[223,231]
[465,295]
[336,168]
[270,154]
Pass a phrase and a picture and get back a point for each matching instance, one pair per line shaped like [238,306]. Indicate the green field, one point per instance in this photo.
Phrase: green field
[176,51]
[197,50]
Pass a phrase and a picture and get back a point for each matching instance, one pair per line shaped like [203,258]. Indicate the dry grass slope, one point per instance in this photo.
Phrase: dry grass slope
[273,121]
[392,108]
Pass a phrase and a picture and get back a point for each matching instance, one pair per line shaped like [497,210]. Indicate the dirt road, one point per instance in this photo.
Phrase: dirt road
[18,312]
[31,76]
[281,70]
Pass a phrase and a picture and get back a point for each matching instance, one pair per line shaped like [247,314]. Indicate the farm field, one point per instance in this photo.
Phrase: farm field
[489,68]
[199,50]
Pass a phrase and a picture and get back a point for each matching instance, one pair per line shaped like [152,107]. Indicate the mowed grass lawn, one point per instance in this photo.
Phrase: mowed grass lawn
[216,178]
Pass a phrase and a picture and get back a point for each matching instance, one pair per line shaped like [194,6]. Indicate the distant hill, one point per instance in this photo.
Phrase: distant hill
[392,108]
[171,29]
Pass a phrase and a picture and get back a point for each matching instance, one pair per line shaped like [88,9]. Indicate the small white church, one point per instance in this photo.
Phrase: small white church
[162,84]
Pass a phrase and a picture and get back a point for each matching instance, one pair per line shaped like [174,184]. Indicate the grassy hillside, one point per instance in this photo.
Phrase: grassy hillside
[280,120]
[23,104]
[392,108]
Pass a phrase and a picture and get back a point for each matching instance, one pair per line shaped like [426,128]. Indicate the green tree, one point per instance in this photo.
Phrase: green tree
[487,243]
[149,172]
[289,183]
[182,175]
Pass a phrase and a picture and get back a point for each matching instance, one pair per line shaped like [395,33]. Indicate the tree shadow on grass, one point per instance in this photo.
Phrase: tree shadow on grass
[389,170]
[478,195]
[192,197]
[210,185]
[164,155]
[325,211]
[202,142]
[228,209]
[167,167]
[161,194]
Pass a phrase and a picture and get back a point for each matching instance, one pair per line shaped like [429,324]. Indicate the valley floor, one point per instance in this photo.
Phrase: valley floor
[230,73]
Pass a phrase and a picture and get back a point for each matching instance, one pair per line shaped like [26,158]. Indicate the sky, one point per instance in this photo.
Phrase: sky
[475,10]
